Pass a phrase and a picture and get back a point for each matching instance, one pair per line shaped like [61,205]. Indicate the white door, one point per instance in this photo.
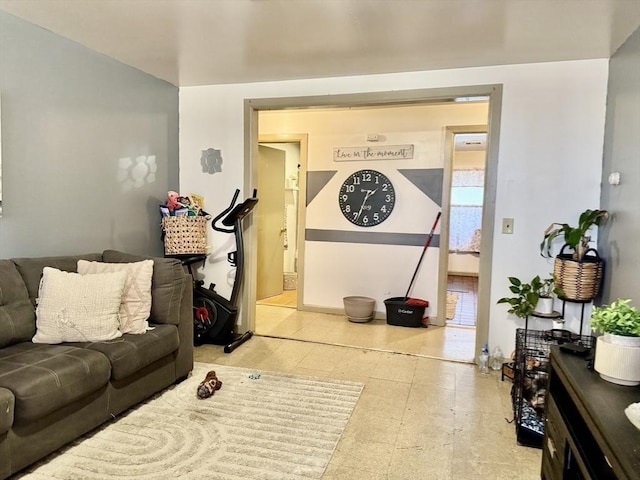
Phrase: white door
[270,213]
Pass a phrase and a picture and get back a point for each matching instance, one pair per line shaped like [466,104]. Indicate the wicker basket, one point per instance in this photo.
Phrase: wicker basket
[185,235]
[579,280]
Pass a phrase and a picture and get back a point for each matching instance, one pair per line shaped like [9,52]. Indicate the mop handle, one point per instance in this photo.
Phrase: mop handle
[426,245]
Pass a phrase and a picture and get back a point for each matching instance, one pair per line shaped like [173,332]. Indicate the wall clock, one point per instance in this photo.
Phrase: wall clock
[366,198]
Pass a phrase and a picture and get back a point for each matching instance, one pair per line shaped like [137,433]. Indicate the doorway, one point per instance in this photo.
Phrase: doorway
[371,100]
[468,164]
[280,163]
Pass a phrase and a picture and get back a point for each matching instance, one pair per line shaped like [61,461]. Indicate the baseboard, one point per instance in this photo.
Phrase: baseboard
[463,274]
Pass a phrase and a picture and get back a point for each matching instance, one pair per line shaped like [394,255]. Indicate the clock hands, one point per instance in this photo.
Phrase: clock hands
[366,197]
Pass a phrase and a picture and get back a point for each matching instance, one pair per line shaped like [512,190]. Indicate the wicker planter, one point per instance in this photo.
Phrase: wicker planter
[579,279]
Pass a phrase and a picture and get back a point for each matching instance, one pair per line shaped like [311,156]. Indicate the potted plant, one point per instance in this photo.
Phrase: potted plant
[546,288]
[577,274]
[525,298]
[617,357]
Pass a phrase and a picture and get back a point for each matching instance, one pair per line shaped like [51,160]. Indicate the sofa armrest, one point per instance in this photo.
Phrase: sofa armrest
[184,354]
[7,405]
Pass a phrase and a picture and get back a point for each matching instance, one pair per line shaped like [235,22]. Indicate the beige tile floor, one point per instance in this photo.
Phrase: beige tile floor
[466,288]
[456,344]
[451,343]
[417,418]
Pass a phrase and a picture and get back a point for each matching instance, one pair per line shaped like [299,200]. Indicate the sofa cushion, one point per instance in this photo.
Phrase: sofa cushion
[136,298]
[7,406]
[44,378]
[78,308]
[31,268]
[131,353]
[17,316]
[167,284]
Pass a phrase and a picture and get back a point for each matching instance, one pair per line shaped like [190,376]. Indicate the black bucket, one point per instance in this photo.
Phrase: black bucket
[404,312]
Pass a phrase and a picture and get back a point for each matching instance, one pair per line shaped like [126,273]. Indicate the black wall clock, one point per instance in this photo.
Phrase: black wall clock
[366,198]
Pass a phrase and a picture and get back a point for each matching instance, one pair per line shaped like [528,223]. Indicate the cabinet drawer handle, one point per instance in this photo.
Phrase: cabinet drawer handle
[551,446]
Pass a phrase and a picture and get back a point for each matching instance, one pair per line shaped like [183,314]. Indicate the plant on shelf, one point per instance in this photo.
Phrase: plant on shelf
[617,358]
[577,274]
[575,237]
[618,318]
[525,298]
[546,288]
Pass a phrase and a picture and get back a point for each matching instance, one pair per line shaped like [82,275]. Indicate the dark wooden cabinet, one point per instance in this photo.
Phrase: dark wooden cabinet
[587,435]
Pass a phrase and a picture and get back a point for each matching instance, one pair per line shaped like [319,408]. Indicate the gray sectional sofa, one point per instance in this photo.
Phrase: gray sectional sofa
[50,394]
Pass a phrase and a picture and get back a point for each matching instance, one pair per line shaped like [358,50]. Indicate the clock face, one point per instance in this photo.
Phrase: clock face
[366,198]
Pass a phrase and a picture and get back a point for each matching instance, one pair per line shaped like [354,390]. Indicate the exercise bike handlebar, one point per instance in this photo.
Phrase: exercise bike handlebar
[224,212]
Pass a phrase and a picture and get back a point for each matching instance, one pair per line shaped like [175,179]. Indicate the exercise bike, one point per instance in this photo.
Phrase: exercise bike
[214,317]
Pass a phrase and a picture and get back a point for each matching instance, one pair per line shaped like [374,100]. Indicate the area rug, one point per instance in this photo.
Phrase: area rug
[259,425]
[452,301]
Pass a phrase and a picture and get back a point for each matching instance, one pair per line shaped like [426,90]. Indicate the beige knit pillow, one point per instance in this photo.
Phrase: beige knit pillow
[78,308]
[136,299]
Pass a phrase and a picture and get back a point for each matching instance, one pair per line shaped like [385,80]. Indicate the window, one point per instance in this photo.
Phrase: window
[467,191]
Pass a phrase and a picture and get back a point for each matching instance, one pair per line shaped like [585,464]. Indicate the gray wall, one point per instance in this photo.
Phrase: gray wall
[619,238]
[89,147]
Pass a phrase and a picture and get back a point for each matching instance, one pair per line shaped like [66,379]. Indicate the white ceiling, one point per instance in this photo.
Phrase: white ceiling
[205,42]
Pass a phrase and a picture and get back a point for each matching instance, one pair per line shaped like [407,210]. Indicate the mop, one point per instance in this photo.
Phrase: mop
[418,301]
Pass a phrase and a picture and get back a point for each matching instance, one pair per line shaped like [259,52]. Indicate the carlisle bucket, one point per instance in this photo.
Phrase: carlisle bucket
[406,312]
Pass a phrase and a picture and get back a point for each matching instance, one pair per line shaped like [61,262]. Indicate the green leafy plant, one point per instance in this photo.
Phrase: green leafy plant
[575,237]
[525,296]
[618,318]
[548,287]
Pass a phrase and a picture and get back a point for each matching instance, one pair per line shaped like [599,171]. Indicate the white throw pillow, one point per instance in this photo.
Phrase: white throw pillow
[136,299]
[78,308]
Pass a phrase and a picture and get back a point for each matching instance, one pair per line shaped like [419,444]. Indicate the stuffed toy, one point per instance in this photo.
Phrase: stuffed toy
[172,200]
[209,385]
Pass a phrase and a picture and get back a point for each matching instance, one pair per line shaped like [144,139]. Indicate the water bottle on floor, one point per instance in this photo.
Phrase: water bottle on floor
[496,359]
[483,360]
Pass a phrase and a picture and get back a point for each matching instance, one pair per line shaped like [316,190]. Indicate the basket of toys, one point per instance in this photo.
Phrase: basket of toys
[184,235]
[184,225]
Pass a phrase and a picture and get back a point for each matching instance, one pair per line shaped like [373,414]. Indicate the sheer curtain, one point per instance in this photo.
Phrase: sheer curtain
[467,190]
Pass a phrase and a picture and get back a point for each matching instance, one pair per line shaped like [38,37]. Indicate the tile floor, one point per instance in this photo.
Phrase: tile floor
[466,308]
[450,343]
[277,317]
[417,419]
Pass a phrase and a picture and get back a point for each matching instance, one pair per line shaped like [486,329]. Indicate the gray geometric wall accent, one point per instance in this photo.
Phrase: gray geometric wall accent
[428,180]
[316,181]
[374,238]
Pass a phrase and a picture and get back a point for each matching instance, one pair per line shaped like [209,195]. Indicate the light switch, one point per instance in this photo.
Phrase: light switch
[507,225]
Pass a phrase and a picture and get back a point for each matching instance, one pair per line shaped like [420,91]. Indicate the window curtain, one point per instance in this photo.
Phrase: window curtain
[467,190]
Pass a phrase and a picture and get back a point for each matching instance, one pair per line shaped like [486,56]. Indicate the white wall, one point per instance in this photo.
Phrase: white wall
[550,152]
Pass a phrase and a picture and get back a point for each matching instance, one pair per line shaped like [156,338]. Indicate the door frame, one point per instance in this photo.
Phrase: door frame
[302,140]
[443,261]
[397,97]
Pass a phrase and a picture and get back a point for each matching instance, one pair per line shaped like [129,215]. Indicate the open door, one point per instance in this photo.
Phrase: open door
[270,215]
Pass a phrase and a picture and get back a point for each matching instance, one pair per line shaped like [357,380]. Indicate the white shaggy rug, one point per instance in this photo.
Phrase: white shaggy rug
[259,425]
